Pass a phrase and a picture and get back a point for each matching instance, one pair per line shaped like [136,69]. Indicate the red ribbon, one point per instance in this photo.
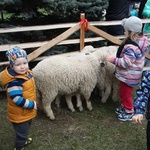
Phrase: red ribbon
[85,23]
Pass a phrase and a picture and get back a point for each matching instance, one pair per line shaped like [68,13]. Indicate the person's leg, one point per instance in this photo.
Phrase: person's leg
[126,100]
[126,97]
[22,131]
[148,135]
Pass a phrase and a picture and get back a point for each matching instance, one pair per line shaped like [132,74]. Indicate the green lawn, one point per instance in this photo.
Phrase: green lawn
[98,129]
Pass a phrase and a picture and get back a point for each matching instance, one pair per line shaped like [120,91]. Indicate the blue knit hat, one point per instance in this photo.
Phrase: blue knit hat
[15,53]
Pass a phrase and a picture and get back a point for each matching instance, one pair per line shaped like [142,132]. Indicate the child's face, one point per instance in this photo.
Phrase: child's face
[21,65]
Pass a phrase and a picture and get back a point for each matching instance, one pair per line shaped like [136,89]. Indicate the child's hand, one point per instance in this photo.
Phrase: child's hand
[35,105]
[137,118]
[110,58]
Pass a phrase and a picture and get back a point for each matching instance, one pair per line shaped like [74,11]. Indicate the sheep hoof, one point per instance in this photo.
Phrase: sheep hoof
[51,117]
[91,108]
[80,109]
[72,110]
[103,101]
[58,106]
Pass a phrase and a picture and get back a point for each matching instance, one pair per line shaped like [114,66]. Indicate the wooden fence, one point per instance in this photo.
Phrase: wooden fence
[41,47]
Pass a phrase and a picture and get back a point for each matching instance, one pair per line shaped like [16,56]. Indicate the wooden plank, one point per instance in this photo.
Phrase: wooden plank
[63,25]
[116,22]
[147,56]
[43,57]
[104,34]
[82,31]
[53,42]
[38,44]
[65,42]
[109,37]
[146,68]
[37,28]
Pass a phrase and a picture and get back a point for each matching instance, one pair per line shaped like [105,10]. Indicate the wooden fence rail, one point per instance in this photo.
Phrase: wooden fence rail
[60,40]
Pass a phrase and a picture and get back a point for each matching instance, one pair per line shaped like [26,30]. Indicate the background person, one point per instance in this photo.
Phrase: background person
[145,13]
[118,10]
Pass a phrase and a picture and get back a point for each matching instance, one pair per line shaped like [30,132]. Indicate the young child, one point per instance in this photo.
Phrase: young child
[142,103]
[21,95]
[129,64]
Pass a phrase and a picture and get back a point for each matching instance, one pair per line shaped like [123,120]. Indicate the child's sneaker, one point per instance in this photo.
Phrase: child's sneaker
[119,110]
[125,116]
[29,141]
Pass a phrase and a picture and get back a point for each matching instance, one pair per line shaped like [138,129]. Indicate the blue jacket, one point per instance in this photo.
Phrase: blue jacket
[142,98]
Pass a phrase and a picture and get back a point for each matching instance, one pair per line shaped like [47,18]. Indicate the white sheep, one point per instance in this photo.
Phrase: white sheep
[86,50]
[61,75]
[107,82]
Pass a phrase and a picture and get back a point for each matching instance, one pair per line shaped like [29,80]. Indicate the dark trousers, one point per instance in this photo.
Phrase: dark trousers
[148,135]
[21,131]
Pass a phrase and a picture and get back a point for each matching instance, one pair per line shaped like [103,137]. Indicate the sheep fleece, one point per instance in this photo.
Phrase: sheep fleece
[66,75]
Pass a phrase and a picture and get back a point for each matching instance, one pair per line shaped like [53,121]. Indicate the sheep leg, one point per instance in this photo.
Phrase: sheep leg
[106,94]
[89,105]
[69,103]
[115,92]
[57,101]
[115,96]
[39,100]
[49,111]
[79,102]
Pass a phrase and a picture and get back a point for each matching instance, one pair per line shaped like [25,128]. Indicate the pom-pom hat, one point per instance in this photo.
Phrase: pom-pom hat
[133,24]
[14,54]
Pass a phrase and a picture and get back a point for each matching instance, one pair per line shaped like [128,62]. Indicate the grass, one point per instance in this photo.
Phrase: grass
[98,129]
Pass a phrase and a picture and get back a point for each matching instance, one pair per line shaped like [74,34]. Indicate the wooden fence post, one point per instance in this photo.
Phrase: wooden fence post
[82,30]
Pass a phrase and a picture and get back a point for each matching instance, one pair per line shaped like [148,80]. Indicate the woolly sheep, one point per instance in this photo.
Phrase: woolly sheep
[107,82]
[60,75]
[86,50]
